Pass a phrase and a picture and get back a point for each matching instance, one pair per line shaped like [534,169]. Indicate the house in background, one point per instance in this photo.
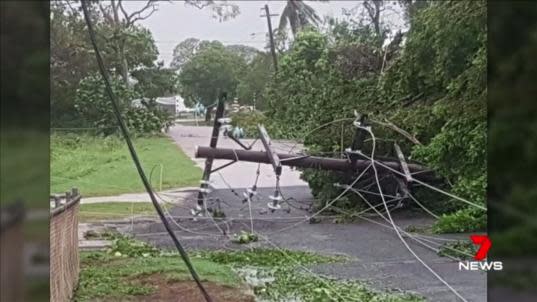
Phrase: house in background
[168,104]
[137,103]
[175,105]
[181,107]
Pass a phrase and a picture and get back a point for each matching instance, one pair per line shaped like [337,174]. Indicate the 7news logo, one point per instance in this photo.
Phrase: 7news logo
[481,264]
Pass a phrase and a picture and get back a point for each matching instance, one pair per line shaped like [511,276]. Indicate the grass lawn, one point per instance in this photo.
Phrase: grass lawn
[274,275]
[123,272]
[103,166]
[110,277]
[113,210]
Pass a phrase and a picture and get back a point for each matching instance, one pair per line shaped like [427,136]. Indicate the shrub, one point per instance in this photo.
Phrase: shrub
[248,121]
[93,104]
[463,220]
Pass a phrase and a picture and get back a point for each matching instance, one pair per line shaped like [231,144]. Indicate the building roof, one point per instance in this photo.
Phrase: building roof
[172,101]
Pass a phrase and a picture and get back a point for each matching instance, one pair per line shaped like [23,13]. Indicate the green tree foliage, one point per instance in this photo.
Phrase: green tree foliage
[72,56]
[257,75]
[140,49]
[70,61]
[434,88]
[124,44]
[184,51]
[93,103]
[131,44]
[247,53]
[211,71]
[188,48]
[155,82]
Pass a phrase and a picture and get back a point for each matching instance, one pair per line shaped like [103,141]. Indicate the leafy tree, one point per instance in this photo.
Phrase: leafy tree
[121,30]
[183,52]
[156,81]
[247,53]
[93,103]
[254,80]
[210,72]
[72,57]
[188,48]
[70,61]
[434,88]
[125,46]
[133,45]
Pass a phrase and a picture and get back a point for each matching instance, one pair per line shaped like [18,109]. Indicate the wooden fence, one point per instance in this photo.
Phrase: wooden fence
[64,257]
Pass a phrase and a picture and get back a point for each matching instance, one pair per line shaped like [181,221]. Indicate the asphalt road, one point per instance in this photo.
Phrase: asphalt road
[377,256]
[239,174]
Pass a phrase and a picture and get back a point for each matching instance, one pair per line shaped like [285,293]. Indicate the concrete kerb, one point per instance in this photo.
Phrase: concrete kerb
[138,197]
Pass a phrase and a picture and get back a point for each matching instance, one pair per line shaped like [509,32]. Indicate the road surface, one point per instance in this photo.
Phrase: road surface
[377,256]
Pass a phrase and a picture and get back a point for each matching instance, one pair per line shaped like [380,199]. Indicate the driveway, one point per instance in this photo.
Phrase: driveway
[239,174]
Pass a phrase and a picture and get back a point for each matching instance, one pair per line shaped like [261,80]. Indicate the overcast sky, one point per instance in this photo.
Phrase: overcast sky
[175,22]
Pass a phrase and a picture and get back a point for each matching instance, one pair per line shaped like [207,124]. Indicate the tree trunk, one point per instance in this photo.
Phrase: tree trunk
[120,45]
[376,22]
[124,65]
[208,115]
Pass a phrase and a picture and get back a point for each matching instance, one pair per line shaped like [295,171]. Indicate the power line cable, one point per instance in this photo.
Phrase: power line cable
[134,155]
[396,228]
[425,184]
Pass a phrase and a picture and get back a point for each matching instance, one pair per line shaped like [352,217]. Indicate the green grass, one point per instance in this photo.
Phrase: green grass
[102,166]
[103,275]
[113,210]
[114,273]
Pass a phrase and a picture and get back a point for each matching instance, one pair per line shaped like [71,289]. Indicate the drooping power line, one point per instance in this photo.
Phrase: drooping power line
[134,155]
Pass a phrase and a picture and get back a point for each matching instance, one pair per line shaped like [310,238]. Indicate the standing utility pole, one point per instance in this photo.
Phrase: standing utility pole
[272,49]
[220,107]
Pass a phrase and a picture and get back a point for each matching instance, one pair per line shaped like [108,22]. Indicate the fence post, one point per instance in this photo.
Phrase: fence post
[56,200]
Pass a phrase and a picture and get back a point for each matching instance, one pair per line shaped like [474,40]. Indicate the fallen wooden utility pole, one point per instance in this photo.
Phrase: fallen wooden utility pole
[306,161]
[354,163]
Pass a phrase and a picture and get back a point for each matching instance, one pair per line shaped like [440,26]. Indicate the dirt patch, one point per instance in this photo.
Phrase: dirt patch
[187,291]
